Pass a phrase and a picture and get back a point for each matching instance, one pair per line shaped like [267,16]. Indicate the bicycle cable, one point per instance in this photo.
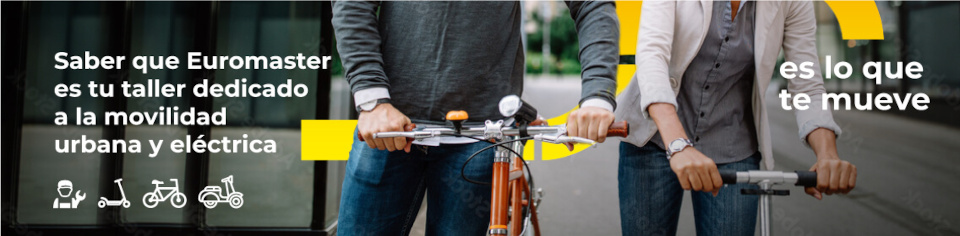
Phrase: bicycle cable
[530,182]
[498,144]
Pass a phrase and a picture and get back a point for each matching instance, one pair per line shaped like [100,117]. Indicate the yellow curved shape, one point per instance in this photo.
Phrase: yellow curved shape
[628,12]
[859,20]
[556,151]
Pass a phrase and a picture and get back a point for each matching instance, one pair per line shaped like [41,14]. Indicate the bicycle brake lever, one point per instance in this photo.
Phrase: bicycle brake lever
[558,139]
[408,127]
[410,134]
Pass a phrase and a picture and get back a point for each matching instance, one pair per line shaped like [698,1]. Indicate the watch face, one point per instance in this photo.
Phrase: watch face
[368,106]
[677,145]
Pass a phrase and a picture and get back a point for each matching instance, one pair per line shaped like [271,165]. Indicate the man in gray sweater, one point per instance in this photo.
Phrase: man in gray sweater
[411,62]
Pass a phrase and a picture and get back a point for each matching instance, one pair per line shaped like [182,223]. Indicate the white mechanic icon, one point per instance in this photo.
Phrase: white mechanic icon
[64,188]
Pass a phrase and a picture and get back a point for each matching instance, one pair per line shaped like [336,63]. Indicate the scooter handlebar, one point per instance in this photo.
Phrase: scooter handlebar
[798,178]
[806,178]
[728,176]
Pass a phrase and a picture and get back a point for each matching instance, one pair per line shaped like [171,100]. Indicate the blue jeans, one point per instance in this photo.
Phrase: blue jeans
[651,195]
[382,190]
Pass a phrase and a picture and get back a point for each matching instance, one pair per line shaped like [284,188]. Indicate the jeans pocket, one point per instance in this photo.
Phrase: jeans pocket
[366,165]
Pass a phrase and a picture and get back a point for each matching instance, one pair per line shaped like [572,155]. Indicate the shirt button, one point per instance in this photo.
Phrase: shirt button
[726,39]
[707,87]
[701,114]
[717,65]
[697,139]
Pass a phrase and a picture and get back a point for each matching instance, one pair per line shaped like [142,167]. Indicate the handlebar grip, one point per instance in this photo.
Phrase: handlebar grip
[728,176]
[806,178]
[618,129]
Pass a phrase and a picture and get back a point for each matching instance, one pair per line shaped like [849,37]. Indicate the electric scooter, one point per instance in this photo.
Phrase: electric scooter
[766,180]
[104,202]
[211,195]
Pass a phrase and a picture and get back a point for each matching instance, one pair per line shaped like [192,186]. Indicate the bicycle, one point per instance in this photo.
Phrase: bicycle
[512,201]
[766,180]
[151,199]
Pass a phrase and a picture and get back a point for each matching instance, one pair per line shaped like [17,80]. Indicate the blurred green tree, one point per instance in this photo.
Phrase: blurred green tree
[564,45]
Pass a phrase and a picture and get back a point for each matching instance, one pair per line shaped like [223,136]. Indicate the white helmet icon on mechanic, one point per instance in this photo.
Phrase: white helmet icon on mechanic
[65,188]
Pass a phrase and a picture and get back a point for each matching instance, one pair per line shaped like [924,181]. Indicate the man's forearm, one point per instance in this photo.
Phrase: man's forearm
[358,42]
[599,36]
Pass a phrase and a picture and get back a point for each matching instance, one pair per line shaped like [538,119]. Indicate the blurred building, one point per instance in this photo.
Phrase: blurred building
[925,32]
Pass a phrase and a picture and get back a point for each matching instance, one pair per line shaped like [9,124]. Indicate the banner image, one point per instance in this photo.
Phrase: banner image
[666,117]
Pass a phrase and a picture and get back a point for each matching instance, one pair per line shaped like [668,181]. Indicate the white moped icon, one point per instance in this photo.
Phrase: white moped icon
[104,202]
[151,199]
[211,195]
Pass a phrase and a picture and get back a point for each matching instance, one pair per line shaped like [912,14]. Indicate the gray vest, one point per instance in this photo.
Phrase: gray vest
[714,103]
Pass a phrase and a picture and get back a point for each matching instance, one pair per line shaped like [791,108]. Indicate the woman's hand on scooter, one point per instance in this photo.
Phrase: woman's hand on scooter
[696,171]
[834,176]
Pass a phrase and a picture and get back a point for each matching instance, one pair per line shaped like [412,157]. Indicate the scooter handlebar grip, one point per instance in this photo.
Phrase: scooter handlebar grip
[806,178]
[728,176]
[618,129]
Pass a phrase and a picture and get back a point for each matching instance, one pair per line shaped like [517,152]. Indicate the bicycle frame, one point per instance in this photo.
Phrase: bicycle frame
[509,186]
[510,192]
[171,190]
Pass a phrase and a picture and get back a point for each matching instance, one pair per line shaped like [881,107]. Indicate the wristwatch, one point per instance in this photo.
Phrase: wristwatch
[677,145]
[368,106]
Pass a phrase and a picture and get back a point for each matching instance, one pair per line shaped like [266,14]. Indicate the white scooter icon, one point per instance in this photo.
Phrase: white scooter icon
[151,199]
[211,195]
[104,202]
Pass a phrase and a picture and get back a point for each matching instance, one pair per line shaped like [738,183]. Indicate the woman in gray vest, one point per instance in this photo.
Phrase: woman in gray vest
[696,105]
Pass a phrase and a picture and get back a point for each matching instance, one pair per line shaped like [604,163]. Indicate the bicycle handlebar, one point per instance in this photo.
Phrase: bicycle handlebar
[618,129]
[554,134]
[408,127]
[798,178]
[510,106]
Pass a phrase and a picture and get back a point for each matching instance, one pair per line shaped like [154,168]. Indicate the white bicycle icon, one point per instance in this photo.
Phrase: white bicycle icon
[151,199]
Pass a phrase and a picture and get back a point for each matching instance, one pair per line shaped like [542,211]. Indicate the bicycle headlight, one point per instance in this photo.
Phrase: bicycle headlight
[513,106]
[509,105]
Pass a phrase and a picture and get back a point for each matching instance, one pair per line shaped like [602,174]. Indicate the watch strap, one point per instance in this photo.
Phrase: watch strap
[378,102]
[670,150]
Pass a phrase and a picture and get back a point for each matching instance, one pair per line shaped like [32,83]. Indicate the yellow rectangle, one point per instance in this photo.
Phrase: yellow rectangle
[326,140]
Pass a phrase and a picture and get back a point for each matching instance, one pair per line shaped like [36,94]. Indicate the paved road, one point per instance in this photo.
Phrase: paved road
[906,178]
